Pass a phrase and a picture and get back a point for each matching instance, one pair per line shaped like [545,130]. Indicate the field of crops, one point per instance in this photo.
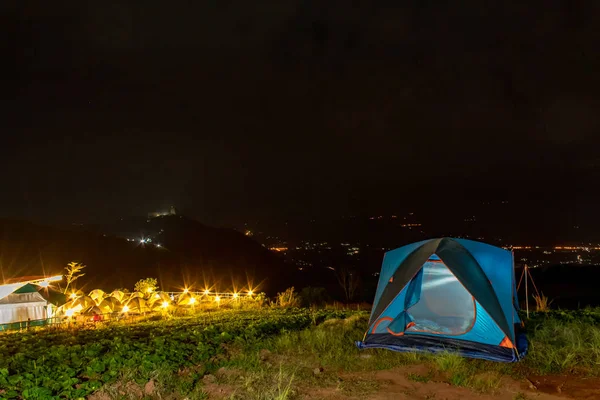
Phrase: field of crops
[179,353]
[72,363]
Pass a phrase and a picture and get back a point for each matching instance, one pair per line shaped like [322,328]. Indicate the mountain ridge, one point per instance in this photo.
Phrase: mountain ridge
[184,253]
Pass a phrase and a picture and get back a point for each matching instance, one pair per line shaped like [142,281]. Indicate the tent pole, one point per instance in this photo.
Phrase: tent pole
[526,294]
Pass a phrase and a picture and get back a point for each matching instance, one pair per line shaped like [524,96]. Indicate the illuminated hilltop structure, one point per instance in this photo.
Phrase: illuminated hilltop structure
[163,213]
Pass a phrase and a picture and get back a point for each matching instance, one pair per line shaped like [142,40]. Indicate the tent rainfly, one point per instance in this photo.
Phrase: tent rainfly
[21,302]
[448,295]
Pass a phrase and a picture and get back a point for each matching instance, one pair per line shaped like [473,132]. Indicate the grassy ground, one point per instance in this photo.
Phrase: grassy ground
[316,356]
[284,362]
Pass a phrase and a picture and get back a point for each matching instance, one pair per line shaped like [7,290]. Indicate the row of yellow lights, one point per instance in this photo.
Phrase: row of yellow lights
[165,304]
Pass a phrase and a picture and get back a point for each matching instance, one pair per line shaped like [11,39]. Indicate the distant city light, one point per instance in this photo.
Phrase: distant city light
[125,308]
[217,298]
[158,245]
[165,304]
[278,249]
[186,290]
[192,300]
[73,295]
[250,292]
[235,295]
[206,291]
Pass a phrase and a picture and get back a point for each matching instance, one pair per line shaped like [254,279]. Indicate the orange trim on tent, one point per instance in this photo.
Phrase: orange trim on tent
[388,329]
[380,321]
[394,333]
[506,343]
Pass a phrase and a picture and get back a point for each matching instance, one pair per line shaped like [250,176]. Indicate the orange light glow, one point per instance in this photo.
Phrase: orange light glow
[279,249]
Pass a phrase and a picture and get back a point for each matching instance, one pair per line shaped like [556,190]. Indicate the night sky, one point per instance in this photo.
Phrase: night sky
[234,109]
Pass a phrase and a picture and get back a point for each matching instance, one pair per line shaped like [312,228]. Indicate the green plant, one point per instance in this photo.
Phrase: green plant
[146,286]
[450,362]
[72,273]
[74,362]
[289,298]
[542,304]
[284,385]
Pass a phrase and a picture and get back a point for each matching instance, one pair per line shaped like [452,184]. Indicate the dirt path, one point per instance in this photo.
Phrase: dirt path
[400,384]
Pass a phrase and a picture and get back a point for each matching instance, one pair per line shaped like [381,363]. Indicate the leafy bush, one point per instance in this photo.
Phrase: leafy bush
[313,296]
[146,286]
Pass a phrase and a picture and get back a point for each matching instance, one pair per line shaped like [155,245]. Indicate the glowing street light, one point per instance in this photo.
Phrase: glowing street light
[69,313]
[125,308]
[206,292]
[217,298]
[235,295]
[250,293]
[185,290]
[192,300]
[165,304]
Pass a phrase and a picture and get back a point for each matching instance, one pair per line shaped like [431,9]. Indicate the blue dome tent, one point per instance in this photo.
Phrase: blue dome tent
[447,295]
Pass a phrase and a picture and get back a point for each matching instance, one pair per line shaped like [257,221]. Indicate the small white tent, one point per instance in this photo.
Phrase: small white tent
[21,302]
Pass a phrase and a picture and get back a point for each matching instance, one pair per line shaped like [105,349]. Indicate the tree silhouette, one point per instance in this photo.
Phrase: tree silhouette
[348,280]
[73,273]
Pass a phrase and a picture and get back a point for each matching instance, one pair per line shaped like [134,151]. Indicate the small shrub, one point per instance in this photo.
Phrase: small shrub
[450,362]
[313,296]
[289,298]
[542,303]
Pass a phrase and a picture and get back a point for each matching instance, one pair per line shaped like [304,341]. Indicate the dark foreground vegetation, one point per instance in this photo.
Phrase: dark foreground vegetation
[269,353]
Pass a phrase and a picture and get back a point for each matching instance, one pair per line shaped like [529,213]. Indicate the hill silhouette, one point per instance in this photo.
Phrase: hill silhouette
[177,250]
